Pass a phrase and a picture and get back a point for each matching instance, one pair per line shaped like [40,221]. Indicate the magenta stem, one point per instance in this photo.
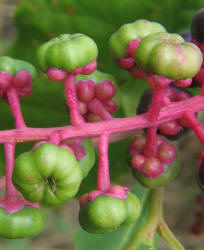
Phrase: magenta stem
[192,121]
[97,107]
[72,101]
[103,178]
[14,104]
[159,93]
[173,111]
[11,192]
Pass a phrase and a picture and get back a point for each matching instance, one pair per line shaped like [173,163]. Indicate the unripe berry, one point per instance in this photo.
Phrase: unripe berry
[105,90]
[166,153]
[138,143]
[152,168]
[110,106]
[137,161]
[169,128]
[85,90]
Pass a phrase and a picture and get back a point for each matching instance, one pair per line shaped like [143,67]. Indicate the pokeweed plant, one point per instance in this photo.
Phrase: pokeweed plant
[52,171]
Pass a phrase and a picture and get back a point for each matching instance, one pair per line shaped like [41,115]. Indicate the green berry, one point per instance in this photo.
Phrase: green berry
[13,66]
[49,175]
[168,55]
[102,215]
[120,40]
[67,52]
[133,208]
[26,222]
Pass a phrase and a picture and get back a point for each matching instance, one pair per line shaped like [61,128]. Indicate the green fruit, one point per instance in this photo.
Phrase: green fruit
[67,52]
[133,209]
[120,40]
[13,66]
[26,222]
[87,162]
[168,55]
[164,179]
[102,215]
[50,175]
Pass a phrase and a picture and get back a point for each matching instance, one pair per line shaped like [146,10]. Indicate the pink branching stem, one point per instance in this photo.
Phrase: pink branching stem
[71,97]
[192,121]
[97,108]
[11,192]
[159,93]
[173,111]
[55,138]
[14,104]
[103,178]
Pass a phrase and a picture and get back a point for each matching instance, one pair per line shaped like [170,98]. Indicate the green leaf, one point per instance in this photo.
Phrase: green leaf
[119,239]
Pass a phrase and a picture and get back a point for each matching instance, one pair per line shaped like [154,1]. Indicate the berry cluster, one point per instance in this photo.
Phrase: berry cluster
[95,100]
[52,171]
[148,169]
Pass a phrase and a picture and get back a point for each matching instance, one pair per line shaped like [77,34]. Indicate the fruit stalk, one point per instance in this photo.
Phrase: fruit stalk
[103,178]
[72,101]
[14,104]
[97,108]
[159,93]
[11,192]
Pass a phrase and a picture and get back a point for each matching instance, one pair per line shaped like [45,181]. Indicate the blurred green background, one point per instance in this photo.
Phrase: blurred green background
[27,24]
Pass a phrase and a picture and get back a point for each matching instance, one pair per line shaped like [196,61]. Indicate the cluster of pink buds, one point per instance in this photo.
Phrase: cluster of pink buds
[95,100]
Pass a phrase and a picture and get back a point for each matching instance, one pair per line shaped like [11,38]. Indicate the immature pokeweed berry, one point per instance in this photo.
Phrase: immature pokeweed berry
[49,175]
[168,55]
[102,212]
[68,52]
[27,222]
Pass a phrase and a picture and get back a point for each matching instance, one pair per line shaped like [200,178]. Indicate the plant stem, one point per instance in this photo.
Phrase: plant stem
[97,107]
[71,97]
[115,125]
[168,236]
[192,121]
[145,234]
[103,178]
[11,192]
[159,93]
[14,104]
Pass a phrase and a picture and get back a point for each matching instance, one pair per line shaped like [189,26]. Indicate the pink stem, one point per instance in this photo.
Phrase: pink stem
[103,179]
[11,192]
[192,121]
[97,107]
[159,93]
[70,91]
[173,111]
[14,104]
